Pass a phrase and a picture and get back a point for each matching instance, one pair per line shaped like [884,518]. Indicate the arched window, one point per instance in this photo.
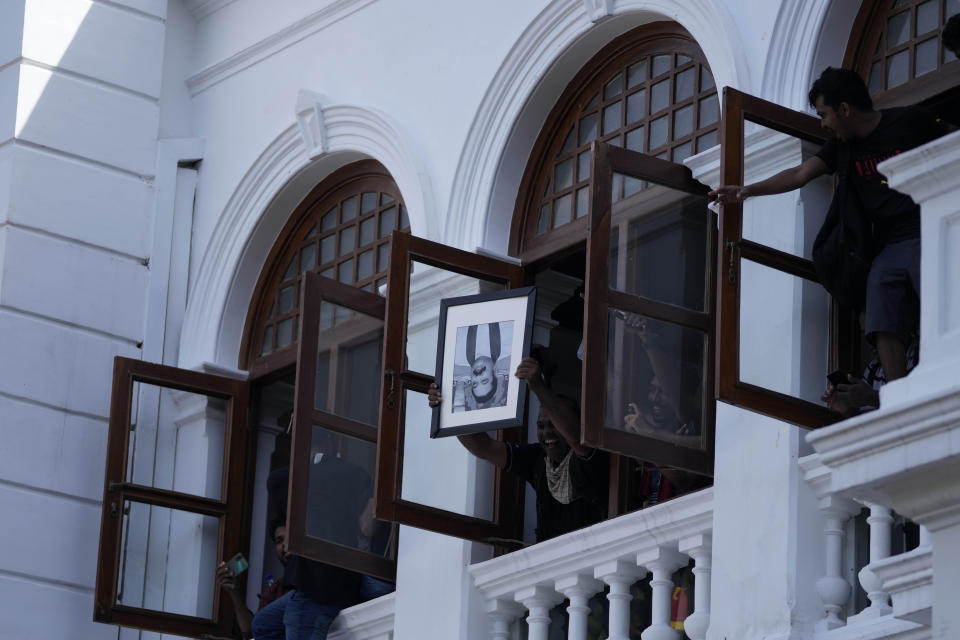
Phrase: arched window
[341,230]
[899,52]
[650,91]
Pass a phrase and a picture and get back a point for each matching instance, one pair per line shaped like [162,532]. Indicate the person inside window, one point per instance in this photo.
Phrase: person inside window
[868,137]
[570,480]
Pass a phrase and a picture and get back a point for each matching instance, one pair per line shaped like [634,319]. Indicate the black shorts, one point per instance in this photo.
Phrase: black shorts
[893,291]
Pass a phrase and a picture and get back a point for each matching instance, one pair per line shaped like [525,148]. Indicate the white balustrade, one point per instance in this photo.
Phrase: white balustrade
[371,620]
[617,553]
[880,521]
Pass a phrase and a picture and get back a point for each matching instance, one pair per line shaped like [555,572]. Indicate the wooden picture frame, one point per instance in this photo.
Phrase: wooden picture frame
[478,389]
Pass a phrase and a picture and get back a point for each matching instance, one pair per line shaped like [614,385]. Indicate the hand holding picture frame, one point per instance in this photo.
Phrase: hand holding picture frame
[481,339]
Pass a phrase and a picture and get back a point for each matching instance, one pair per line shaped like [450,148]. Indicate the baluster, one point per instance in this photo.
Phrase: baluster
[699,547]
[833,589]
[880,522]
[620,576]
[661,562]
[578,589]
[502,614]
[538,599]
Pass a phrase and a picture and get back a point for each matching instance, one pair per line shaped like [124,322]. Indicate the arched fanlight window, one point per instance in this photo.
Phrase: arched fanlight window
[341,230]
[649,91]
[899,52]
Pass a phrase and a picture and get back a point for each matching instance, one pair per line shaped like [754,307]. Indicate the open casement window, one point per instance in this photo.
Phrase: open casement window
[778,329]
[649,312]
[416,476]
[334,447]
[172,500]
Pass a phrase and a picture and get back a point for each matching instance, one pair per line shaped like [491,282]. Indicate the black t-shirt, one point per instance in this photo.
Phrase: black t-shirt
[895,215]
[589,479]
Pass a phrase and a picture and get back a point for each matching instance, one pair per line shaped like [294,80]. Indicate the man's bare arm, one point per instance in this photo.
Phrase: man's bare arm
[565,420]
[479,444]
[786,180]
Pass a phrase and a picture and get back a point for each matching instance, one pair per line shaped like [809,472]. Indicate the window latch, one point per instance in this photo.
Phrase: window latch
[731,270]
[389,377]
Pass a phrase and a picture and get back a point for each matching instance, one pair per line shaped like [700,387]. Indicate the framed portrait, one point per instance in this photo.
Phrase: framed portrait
[480,341]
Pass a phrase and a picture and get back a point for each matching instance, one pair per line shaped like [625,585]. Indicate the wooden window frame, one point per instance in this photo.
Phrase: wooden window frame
[229,509]
[316,290]
[608,160]
[739,108]
[504,527]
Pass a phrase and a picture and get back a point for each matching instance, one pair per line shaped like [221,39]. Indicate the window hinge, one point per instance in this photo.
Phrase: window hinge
[731,271]
[389,377]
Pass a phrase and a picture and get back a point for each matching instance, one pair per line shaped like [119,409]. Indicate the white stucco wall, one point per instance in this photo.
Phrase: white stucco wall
[448,95]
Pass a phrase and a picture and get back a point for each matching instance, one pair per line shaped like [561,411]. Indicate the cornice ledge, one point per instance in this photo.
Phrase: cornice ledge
[580,551]
[274,43]
[928,171]
[908,578]
[366,620]
[891,433]
[884,628]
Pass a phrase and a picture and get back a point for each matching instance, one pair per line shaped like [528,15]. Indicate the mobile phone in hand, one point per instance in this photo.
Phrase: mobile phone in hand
[237,564]
[838,377]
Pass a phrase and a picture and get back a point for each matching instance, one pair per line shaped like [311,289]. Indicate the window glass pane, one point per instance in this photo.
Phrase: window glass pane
[286,299]
[385,198]
[267,345]
[583,166]
[613,87]
[563,175]
[568,143]
[164,550]
[683,84]
[660,96]
[543,220]
[291,270]
[422,336]
[925,57]
[383,257]
[312,233]
[682,152]
[784,331]
[445,457]
[345,271]
[709,111]
[635,139]
[583,202]
[658,132]
[898,29]
[347,240]
[340,492]
[636,73]
[365,265]
[927,19]
[327,248]
[285,332]
[194,424]
[308,257]
[611,118]
[562,210]
[682,122]
[655,373]
[876,77]
[368,230]
[788,221]
[329,220]
[706,79]
[368,202]
[404,220]
[661,64]
[658,247]
[706,141]
[588,129]
[348,209]
[636,106]
[898,69]
[388,221]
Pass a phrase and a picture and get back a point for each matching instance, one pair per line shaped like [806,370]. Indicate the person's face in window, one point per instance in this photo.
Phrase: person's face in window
[280,540]
[661,414]
[834,121]
[550,439]
[483,378]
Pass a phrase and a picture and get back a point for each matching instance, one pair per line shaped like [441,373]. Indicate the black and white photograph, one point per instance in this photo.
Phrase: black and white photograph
[480,338]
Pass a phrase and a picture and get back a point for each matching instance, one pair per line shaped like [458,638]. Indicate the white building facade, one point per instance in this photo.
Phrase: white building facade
[161,164]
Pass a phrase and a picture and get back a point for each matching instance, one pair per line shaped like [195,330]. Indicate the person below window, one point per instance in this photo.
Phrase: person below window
[570,480]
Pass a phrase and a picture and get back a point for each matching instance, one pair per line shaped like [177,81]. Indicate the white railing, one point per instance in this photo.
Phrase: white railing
[615,553]
[371,620]
[906,578]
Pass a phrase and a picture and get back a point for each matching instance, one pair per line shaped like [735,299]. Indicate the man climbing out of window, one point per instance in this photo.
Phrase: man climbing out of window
[569,479]
[868,137]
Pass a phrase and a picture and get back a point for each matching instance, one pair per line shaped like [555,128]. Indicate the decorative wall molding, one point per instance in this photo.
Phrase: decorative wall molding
[598,9]
[313,129]
[480,189]
[272,44]
[200,9]
[241,238]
